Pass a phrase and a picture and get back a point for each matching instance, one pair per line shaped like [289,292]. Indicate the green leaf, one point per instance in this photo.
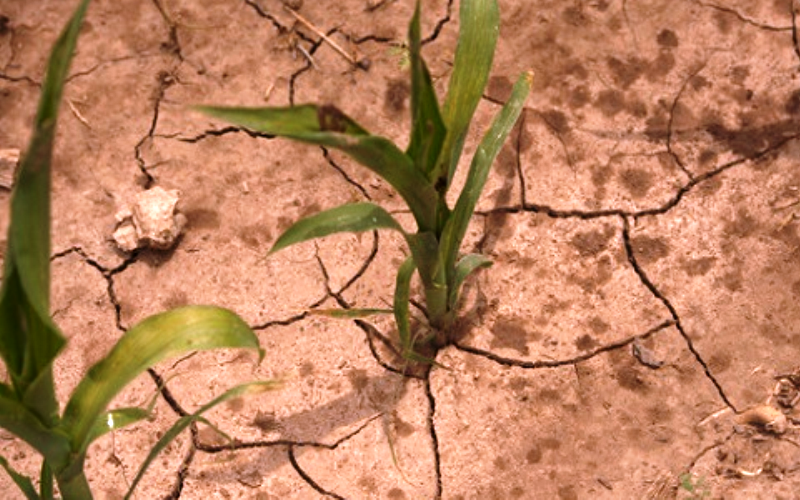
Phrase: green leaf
[46,482]
[402,297]
[23,482]
[118,419]
[327,126]
[29,341]
[478,30]
[425,250]
[487,151]
[349,313]
[427,127]
[354,217]
[466,266]
[184,422]
[23,423]
[159,337]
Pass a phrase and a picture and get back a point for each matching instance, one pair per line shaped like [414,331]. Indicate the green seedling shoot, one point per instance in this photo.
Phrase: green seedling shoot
[422,174]
[30,341]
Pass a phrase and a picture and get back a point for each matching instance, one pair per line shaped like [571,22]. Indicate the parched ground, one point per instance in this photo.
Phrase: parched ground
[642,219]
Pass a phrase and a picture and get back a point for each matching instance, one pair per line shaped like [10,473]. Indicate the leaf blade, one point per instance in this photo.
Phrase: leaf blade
[352,217]
[185,421]
[24,483]
[354,313]
[487,151]
[427,127]
[23,423]
[327,126]
[159,337]
[402,297]
[464,268]
[478,31]
[29,341]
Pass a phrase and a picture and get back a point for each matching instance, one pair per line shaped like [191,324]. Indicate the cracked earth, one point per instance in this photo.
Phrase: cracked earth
[642,219]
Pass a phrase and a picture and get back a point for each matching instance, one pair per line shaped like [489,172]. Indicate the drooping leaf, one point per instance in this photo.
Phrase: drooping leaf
[327,126]
[478,30]
[29,341]
[466,266]
[184,422]
[402,296]
[350,313]
[427,127]
[159,337]
[487,151]
[353,217]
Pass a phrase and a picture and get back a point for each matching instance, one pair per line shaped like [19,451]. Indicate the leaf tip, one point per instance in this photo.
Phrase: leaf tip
[528,75]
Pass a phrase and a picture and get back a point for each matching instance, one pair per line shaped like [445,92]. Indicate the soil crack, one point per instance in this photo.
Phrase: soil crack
[671,122]
[742,17]
[548,363]
[437,460]
[439,24]
[795,41]
[18,79]
[626,237]
[216,133]
[107,273]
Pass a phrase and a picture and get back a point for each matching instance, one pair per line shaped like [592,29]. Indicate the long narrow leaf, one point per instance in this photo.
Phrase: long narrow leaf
[466,266]
[354,217]
[46,487]
[184,422]
[29,341]
[427,128]
[328,126]
[478,30]
[402,296]
[24,483]
[349,313]
[159,337]
[487,151]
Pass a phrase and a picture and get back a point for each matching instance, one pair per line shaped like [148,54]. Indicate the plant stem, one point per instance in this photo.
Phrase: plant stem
[436,300]
[75,488]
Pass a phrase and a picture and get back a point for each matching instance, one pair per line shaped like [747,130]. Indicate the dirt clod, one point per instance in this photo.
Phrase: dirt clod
[152,221]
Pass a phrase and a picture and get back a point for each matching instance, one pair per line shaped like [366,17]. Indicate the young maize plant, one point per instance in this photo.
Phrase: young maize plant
[421,174]
[30,341]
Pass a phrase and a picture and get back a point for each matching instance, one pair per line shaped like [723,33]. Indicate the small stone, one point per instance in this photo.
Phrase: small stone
[9,161]
[126,238]
[153,221]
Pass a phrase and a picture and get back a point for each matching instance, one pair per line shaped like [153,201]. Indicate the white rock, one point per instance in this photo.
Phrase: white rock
[152,221]
[125,236]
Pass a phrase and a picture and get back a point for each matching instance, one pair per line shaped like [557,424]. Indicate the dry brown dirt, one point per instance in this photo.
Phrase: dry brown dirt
[642,219]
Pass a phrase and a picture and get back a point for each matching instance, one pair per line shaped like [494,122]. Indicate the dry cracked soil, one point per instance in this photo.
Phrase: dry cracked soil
[639,322]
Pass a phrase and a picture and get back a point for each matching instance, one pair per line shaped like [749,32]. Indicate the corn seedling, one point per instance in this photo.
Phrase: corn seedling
[30,341]
[421,174]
